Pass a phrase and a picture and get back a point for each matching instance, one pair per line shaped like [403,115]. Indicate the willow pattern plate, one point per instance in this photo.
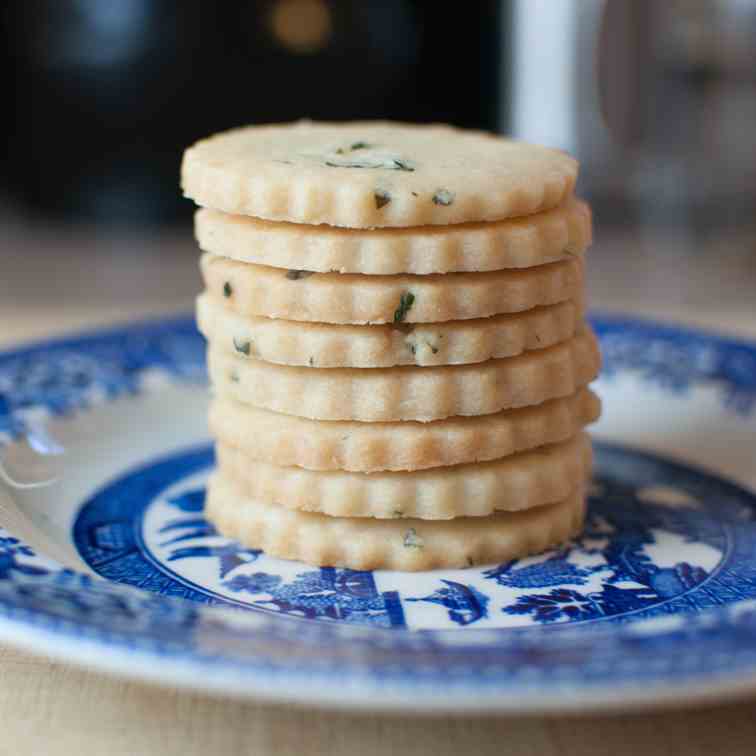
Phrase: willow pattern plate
[112,565]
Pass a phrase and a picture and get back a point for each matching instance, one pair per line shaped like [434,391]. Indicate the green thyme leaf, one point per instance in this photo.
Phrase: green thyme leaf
[405,305]
[382,198]
[392,164]
[443,197]
[227,290]
[296,275]
[242,346]
[403,165]
[412,540]
[359,146]
[353,164]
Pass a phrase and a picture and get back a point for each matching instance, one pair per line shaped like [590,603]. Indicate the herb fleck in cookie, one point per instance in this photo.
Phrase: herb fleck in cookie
[400,544]
[374,174]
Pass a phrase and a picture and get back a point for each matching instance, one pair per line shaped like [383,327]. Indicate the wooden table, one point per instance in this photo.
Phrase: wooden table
[55,280]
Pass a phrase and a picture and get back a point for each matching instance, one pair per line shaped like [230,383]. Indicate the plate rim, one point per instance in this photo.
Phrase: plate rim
[178,673]
[623,699]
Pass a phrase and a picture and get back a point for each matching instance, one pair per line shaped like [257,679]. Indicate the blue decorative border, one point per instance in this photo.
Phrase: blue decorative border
[55,378]
[677,359]
[63,376]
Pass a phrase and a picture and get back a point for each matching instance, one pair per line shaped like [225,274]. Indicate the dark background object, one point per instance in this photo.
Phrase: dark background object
[106,94]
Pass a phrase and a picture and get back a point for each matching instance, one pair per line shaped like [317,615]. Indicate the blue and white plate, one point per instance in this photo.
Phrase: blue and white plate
[112,565]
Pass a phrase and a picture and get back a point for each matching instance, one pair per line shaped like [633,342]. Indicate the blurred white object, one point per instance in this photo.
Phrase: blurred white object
[544,62]
[657,101]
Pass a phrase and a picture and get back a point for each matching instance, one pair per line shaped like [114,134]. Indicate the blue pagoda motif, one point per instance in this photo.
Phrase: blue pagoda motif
[465,603]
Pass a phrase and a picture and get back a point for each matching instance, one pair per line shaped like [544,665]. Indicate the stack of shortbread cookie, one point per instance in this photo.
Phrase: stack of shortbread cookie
[397,345]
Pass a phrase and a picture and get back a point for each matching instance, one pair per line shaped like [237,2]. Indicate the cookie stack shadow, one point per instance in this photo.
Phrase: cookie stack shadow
[404,398]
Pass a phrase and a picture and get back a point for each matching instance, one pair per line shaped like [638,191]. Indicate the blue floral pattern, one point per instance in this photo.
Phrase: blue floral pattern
[58,378]
[11,549]
[632,524]
[677,359]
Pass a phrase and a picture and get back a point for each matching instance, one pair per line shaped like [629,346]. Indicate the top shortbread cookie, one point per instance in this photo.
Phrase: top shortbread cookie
[374,174]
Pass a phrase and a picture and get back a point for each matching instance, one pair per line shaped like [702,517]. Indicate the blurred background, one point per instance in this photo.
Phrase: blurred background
[657,100]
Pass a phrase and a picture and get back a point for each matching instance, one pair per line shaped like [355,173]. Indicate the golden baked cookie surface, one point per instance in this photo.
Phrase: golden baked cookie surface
[374,174]
[556,234]
[400,544]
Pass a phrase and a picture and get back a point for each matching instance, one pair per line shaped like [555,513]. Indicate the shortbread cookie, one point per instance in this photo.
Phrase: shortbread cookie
[408,393]
[456,342]
[373,447]
[554,235]
[520,481]
[374,174]
[401,544]
[351,298]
